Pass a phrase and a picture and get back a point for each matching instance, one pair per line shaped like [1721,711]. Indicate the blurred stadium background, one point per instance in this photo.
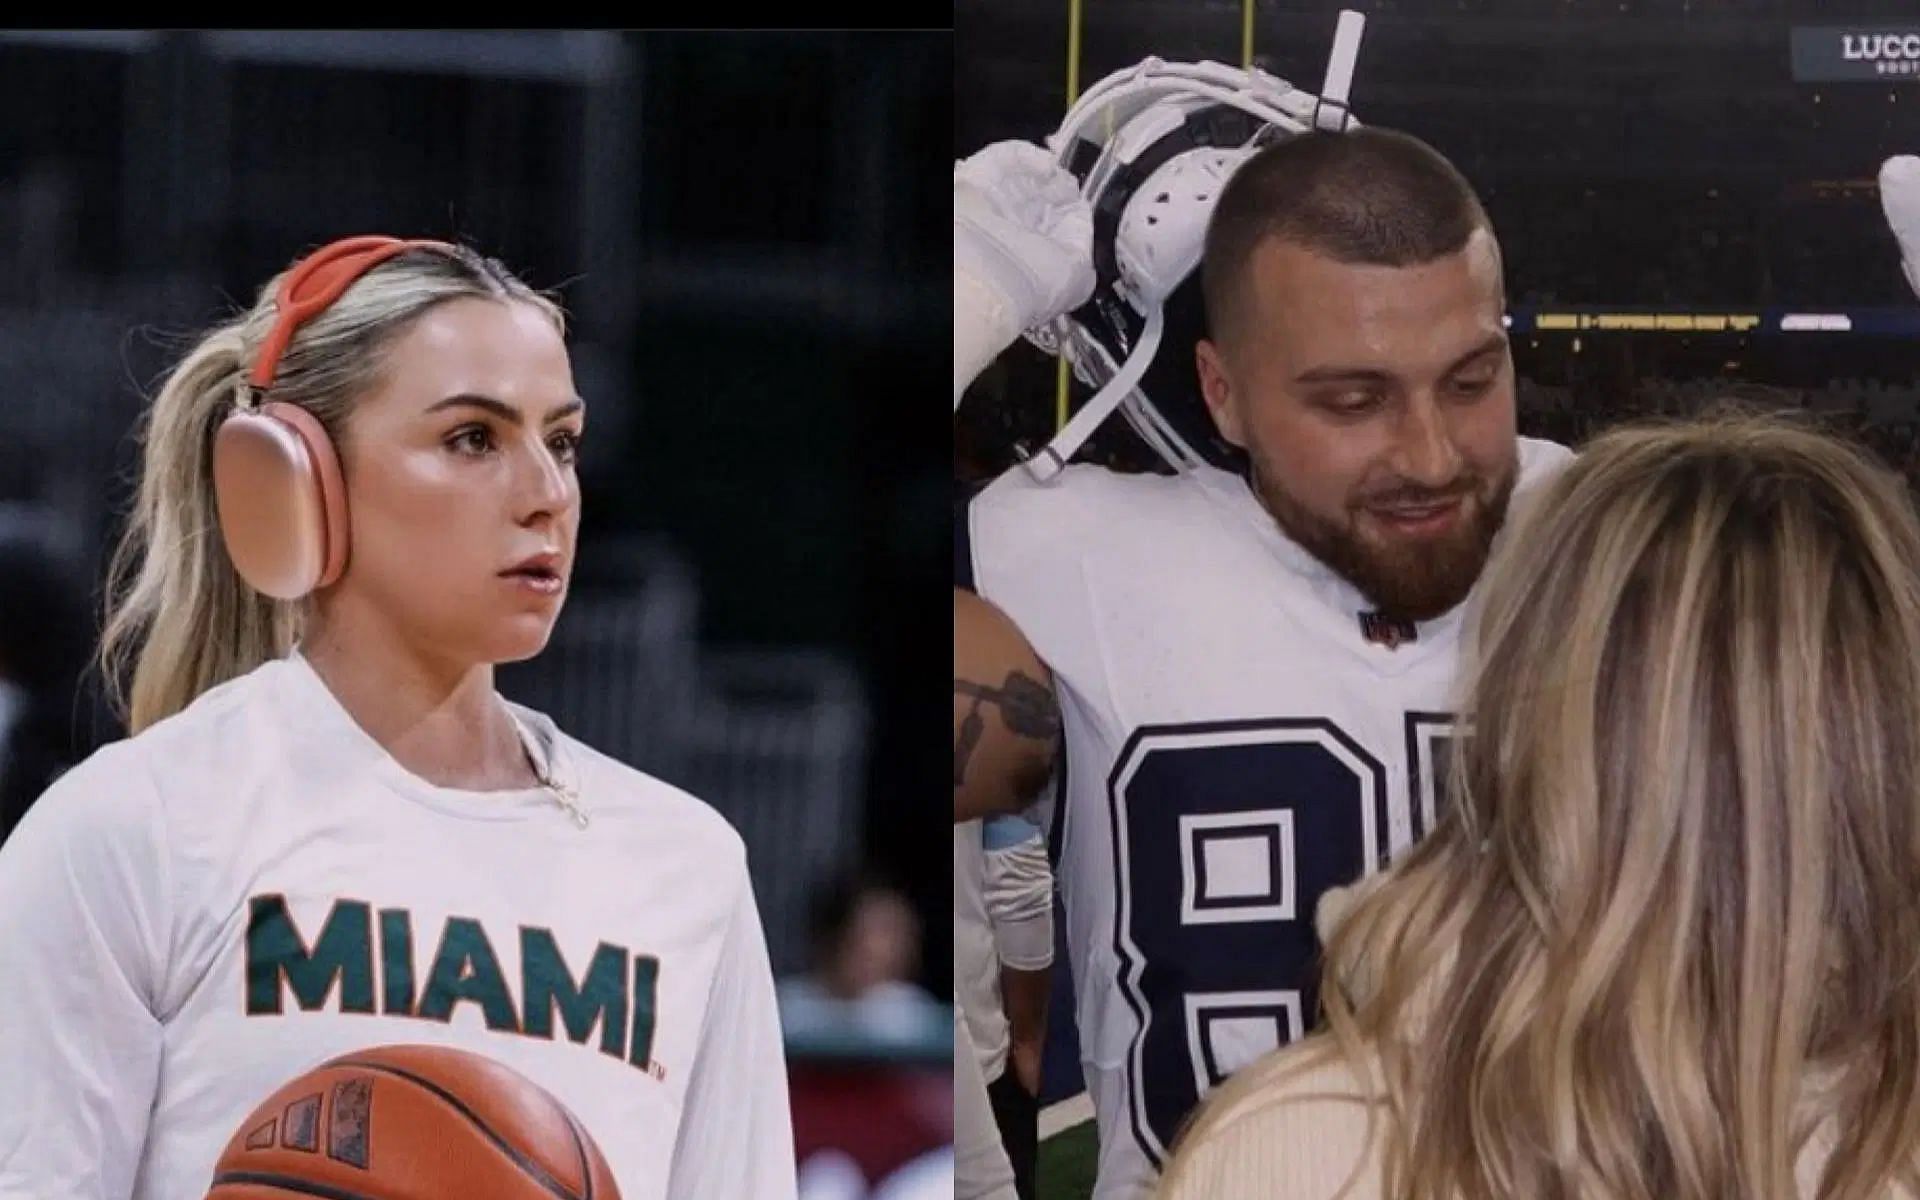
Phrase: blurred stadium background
[1685,191]
[744,228]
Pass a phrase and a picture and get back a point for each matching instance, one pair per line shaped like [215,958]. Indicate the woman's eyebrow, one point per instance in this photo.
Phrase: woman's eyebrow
[506,412]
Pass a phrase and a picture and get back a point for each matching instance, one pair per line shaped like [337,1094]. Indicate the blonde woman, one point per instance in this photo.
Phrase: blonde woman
[327,830]
[1666,942]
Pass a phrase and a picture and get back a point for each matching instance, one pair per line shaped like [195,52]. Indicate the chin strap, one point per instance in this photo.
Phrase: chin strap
[1053,457]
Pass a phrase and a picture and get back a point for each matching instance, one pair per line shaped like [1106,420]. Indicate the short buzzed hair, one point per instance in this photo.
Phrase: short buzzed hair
[1370,196]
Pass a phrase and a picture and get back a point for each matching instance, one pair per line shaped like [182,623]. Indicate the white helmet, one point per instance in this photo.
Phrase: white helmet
[1152,146]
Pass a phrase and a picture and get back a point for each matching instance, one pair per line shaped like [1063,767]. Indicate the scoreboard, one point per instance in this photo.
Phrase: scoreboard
[1885,321]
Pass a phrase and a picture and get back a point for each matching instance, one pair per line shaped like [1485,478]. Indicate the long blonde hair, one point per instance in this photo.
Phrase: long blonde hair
[1670,924]
[179,619]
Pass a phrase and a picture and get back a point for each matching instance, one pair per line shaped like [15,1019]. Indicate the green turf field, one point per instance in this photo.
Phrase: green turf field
[1065,1165]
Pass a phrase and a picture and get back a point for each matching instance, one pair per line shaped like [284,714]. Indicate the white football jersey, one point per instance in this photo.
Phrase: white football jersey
[194,916]
[1238,739]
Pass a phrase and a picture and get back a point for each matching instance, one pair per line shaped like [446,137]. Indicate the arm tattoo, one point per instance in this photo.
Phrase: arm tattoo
[1027,708]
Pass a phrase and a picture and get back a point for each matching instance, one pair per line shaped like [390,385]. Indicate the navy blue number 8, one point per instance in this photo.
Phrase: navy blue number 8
[1225,837]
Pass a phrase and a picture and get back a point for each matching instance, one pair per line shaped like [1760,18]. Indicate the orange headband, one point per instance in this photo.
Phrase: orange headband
[316,282]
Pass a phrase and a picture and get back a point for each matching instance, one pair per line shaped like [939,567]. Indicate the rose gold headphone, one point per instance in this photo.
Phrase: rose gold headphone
[276,478]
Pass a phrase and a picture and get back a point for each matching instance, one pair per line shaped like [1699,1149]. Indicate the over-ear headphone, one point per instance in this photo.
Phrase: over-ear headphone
[276,477]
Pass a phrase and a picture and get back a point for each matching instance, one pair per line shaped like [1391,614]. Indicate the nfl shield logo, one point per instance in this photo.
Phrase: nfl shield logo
[1377,627]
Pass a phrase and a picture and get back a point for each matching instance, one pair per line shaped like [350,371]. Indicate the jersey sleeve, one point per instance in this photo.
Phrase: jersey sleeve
[736,1133]
[1018,892]
[1026,543]
[84,930]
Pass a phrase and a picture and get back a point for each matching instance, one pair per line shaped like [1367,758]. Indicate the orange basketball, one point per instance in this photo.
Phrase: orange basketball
[412,1123]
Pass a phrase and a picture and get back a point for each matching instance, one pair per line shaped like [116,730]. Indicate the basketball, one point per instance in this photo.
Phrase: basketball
[412,1123]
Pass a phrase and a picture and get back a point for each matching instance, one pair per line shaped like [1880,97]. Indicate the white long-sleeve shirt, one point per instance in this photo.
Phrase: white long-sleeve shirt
[195,915]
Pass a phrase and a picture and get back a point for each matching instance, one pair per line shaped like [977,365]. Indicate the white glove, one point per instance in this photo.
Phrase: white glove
[1022,250]
[1900,198]
[1021,226]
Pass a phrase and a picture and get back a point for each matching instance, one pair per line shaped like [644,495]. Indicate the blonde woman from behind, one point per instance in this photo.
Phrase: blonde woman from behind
[1666,942]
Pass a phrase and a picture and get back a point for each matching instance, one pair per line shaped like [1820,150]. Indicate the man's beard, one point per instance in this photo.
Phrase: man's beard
[1408,579]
